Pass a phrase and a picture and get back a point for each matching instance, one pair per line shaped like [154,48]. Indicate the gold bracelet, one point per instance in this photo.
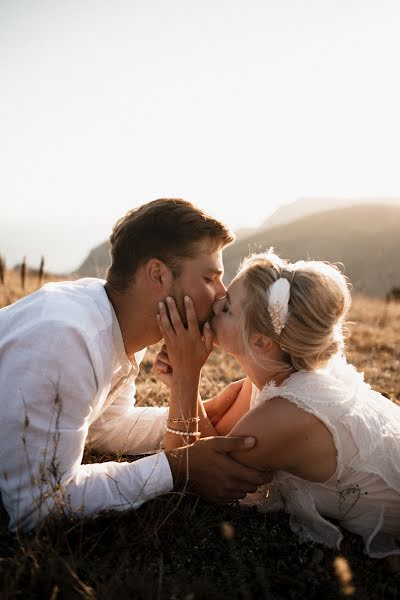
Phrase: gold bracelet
[187,434]
[190,420]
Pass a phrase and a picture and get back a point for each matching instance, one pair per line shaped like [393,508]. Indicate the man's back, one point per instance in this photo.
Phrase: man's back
[61,351]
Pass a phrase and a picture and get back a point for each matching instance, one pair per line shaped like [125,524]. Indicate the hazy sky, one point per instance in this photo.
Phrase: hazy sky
[239,106]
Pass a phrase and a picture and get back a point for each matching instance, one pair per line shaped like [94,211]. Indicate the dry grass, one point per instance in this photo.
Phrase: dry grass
[12,290]
[374,343]
[185,548]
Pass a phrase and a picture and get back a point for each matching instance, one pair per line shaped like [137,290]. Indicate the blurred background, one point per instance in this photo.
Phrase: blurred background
[282,118]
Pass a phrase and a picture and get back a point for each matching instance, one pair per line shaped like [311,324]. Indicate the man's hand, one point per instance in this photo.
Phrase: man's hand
[219,405]
[206,469]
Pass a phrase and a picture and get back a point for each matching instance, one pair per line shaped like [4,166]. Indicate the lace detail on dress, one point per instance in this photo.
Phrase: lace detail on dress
[338,384]
[268,392]
[364,493]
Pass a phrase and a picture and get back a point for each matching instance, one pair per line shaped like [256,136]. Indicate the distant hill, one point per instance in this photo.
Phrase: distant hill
[97,261]
[246,232]
[365,238]
[303,207]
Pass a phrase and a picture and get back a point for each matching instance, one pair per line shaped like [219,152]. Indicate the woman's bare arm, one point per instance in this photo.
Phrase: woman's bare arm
[288,438]
[213,413]
[187,351]
[236,411]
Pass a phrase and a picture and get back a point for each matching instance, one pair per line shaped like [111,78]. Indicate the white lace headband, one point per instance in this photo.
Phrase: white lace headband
[278,295]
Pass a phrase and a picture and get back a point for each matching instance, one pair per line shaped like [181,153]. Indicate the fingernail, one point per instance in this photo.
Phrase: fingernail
[161,305]
[187,299]
[169,299]
[249,442]
[207,325]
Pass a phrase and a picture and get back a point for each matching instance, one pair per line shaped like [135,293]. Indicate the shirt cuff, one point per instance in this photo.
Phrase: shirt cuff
[155,475]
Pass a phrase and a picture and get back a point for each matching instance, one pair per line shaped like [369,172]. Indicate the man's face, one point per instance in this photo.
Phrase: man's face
[200,278]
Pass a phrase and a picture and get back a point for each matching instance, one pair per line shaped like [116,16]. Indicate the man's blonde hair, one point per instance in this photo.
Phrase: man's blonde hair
[318,304]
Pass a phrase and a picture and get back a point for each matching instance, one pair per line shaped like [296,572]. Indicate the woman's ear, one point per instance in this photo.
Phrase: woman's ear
[158,275]
[260,343]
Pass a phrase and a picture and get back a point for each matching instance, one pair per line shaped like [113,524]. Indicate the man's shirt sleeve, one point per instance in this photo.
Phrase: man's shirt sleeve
[128,429]
[48,379]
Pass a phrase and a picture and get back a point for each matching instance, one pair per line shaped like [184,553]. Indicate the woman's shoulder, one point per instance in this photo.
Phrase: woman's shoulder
[338,383]
[281,429]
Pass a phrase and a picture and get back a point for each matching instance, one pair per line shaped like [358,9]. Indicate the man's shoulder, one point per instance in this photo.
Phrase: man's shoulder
[81,305]
[90,287]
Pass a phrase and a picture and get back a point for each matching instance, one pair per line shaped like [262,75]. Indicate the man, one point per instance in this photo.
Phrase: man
[69,356]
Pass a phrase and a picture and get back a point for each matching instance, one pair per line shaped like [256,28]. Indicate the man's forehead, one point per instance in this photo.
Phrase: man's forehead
[212,262]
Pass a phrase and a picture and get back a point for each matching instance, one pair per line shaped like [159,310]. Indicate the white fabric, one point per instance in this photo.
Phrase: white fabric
[364,493]
[65,380]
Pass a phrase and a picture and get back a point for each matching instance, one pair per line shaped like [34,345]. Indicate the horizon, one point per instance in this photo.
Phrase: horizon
[241,109]
[282,211]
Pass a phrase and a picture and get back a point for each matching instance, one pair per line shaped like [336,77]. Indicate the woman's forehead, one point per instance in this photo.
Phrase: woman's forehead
[237,289]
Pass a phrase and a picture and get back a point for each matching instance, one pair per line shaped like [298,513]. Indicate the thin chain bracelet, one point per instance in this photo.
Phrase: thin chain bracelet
[195,434]
[191,420]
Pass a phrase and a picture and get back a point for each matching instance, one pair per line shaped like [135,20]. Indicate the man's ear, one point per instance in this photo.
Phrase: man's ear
[158,274]
[260,343]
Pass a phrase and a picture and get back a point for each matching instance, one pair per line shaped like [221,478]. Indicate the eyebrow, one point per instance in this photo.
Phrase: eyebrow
[215,271]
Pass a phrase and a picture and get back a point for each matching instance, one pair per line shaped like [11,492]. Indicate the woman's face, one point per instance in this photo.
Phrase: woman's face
[226,319]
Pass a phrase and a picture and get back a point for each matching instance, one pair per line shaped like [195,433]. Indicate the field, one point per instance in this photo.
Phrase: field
[181,547]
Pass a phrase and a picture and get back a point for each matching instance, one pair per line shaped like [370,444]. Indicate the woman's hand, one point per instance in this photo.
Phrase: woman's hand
[162,367]
[219,405]
[187,349]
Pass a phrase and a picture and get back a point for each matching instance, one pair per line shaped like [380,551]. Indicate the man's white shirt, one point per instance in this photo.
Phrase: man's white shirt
[65,380]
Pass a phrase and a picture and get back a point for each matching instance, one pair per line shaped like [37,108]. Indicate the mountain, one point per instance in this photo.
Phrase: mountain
[245,232]
[309,206]
[96,263]
[365,238]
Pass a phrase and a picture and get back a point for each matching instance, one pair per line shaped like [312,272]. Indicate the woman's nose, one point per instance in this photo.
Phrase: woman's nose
[218,306]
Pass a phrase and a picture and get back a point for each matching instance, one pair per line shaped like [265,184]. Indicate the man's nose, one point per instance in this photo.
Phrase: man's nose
[221,291]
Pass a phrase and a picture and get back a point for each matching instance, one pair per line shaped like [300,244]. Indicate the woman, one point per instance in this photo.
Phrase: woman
[332,443]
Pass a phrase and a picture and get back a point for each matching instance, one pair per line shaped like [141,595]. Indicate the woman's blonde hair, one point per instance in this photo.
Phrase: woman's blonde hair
[318,305]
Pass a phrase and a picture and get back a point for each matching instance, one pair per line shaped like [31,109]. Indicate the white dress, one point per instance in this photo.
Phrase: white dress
[363,495]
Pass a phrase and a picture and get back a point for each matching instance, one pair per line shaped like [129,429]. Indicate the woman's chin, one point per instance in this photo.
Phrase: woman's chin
[215,341]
